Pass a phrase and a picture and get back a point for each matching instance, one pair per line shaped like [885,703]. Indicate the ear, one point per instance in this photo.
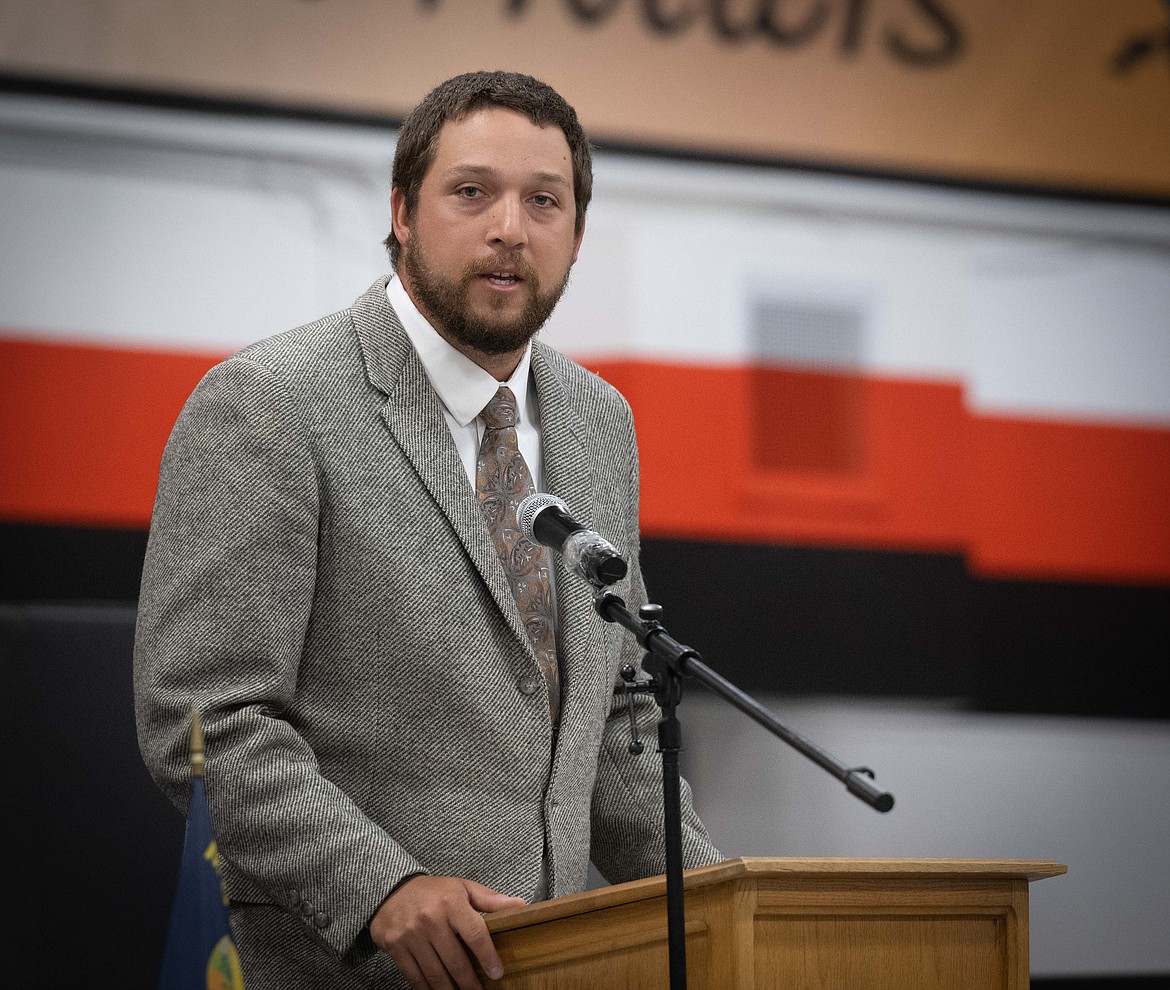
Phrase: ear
[399,215]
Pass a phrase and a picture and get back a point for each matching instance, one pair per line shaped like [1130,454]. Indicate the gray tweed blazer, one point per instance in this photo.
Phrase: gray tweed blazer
[320,582]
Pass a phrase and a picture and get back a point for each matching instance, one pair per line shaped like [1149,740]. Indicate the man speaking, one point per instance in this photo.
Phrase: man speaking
[408,705]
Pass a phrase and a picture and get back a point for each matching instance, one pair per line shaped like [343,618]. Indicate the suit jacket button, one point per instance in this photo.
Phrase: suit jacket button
[322,920]
[294,898]
[527,684]
[306,909]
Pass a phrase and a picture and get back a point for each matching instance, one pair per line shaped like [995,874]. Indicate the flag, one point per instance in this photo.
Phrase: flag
[199,953]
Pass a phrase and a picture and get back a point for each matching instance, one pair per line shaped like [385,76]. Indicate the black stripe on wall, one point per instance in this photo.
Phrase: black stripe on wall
[70,563]
[802,620]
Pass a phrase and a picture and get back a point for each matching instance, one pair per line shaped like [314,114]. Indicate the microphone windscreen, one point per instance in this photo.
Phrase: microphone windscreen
[531,506]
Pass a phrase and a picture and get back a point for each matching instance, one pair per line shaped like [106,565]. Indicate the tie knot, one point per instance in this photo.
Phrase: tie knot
[500,413]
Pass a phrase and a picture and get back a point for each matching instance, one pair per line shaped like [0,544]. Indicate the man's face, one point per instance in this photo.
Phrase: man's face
[487,253]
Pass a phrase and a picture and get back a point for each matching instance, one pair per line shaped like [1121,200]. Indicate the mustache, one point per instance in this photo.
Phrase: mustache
[510,262]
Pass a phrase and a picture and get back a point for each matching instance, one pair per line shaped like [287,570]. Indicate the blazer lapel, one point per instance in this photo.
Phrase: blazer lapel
[567,475]
[414,414]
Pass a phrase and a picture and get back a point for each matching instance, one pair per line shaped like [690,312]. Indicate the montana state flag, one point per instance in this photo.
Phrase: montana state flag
[200,953]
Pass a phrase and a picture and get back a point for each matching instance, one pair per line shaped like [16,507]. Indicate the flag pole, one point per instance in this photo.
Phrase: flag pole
[198,749]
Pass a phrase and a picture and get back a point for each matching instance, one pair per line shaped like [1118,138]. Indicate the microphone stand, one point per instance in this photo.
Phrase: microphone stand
[668,661]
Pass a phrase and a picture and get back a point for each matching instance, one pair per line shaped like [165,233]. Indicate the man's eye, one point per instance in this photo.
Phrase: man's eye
[542,200]
[468,192]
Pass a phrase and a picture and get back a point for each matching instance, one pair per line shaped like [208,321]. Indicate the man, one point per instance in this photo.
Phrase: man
[408,712]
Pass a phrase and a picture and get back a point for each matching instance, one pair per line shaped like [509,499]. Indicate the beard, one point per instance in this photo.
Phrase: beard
[445,301]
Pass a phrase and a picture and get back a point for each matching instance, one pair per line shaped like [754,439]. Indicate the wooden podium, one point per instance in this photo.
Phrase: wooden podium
[804,924]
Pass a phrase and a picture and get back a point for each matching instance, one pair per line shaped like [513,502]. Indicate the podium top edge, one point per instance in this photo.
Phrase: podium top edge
[1019,869]
[757,868]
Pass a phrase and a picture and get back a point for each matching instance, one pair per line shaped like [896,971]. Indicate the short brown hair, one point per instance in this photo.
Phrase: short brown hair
[463,95]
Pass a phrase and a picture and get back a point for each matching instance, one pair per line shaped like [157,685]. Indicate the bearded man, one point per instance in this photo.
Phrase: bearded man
[408,706]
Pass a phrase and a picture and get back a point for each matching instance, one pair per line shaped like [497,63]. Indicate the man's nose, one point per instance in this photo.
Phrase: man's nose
[509,226]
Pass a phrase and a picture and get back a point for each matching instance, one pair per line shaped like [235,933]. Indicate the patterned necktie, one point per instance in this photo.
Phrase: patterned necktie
[502,481]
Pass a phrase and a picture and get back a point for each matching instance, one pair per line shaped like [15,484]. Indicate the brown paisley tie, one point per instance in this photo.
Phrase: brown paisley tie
[502,480]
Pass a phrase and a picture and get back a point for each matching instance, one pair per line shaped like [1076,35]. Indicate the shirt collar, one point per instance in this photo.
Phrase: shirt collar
[463,386]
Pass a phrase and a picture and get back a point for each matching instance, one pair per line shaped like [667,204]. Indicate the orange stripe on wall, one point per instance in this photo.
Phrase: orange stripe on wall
[1021,498]
[1062,499]
[906,495]
[82,430]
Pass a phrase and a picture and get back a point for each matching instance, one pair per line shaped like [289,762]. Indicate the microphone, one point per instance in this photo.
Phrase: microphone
[546,519]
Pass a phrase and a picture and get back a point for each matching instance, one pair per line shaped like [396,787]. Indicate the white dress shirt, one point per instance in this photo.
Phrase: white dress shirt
[465,388]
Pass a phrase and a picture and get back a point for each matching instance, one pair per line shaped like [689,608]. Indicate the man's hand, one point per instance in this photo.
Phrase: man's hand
[430,924]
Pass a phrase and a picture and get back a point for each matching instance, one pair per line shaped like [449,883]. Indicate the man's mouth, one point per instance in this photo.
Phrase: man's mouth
[502,278]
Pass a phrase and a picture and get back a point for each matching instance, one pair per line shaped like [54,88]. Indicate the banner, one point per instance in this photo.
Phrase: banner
[1068,94]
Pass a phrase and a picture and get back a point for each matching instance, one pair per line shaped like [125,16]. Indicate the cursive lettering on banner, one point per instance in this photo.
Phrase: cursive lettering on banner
[922,33]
